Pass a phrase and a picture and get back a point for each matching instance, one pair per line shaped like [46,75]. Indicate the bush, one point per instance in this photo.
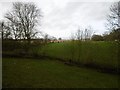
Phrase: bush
[21,48]
[97,38]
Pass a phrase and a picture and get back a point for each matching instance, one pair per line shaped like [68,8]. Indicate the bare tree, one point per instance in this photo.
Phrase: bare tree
[72,37]
[1,29]
[85,34]
[114,22]
[88,33]
[46,38]
[79,34]
[5,30]
[24,18]
[114,17]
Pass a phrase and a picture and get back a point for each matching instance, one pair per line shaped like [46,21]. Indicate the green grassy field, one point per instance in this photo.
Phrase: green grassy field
[36,73]
[104,54]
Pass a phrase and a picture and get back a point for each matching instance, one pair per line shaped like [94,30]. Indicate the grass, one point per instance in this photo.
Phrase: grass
[100,53]
[34,73]
[103,54]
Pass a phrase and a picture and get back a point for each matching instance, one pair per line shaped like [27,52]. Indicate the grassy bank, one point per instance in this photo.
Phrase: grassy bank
[104,54]
[52,74]
[100,55]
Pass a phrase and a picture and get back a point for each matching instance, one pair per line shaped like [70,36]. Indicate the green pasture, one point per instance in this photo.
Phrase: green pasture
[100,53]
[38,73]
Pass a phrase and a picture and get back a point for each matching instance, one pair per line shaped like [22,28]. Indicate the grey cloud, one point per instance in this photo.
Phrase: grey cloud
[64,17]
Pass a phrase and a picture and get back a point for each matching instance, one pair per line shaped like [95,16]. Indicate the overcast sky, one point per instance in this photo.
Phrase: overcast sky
[63,17]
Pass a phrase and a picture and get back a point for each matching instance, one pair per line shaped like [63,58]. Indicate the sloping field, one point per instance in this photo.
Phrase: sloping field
[36,73]
[103,54]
